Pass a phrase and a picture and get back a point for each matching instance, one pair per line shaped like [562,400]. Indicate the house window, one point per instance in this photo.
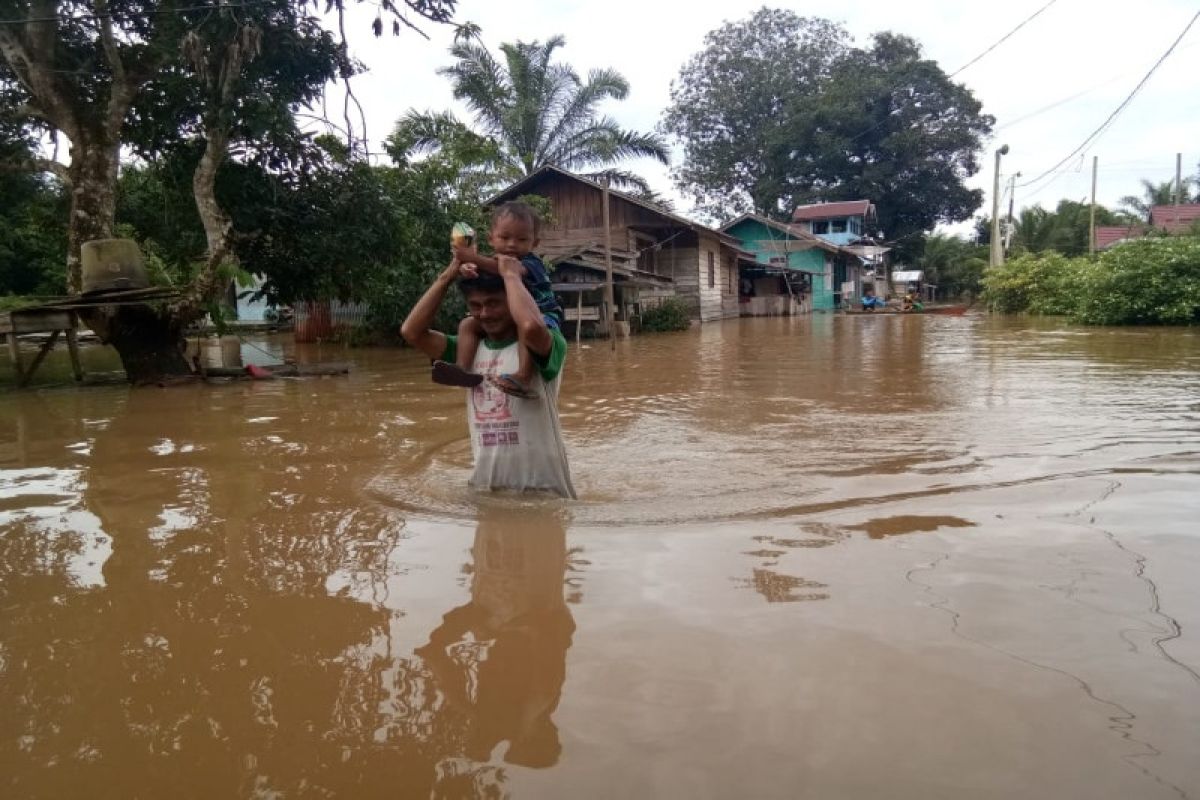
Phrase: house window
[712,270]
[837,226]
[820,226]
[855,225]
[647,254]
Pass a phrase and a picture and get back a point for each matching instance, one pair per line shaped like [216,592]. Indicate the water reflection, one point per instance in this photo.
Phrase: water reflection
[883,527]
[282,588]
[169,620]
[500,659]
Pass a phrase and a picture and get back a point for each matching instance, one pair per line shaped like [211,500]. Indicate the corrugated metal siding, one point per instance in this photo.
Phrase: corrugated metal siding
[345,315]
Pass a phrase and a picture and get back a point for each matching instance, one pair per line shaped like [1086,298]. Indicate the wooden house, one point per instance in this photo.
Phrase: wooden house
[656,254]
[793,270]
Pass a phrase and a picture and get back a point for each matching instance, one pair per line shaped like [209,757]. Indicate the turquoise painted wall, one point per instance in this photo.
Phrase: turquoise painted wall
[755,236]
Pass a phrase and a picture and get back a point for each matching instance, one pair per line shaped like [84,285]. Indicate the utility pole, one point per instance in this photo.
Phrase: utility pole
[1012,196]
[610,315]
[1092,215]
[997,250]
[1178,185]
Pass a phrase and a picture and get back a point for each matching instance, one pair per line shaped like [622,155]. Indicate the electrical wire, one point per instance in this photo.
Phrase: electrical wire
[1003,38]
[970,63]
[148,13]
[1095,135]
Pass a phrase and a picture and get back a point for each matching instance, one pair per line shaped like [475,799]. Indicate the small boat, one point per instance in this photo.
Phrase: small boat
[944,310]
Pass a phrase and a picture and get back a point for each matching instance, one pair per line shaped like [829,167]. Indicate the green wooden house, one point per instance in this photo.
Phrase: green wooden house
[794,271]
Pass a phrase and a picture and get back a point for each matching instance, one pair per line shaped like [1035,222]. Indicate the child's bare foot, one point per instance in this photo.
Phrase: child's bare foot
[514,386]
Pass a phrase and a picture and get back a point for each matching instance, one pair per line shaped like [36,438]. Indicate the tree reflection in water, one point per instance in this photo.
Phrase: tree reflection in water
[209,658]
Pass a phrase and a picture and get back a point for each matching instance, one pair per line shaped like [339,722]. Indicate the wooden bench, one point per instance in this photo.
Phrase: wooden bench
[40,320]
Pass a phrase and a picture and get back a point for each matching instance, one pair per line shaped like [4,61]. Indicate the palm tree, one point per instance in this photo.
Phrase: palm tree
[536,112]
[1155,194]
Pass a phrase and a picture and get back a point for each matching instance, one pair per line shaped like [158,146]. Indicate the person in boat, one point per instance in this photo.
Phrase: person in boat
[516,441]
[870,302]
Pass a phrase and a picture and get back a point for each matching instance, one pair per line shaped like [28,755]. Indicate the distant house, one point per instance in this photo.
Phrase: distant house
[655,253]
[1175,219]
[792,271]
[848,224]
[1111,235]
[839,223]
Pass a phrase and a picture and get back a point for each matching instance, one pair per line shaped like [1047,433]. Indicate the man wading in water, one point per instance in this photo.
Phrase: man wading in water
[517,442]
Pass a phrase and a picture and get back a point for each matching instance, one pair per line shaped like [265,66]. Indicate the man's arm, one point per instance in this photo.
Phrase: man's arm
[416,329]
[531,327]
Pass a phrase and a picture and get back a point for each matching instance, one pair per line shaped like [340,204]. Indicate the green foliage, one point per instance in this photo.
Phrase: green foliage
[33,232]
[531,112]
[1143,282]
[1046,283]
[1064,230]
[955,265]
[9,302]
[778,110]
[1147,281]
[1158,194]
[669,315]
[33,237]
[727,105]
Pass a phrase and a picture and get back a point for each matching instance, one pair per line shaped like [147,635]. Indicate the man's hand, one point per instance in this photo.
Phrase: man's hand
[464,254]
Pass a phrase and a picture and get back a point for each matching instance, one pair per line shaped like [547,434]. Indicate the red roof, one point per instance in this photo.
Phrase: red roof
[1108,235]
[1175,219]
[847,208]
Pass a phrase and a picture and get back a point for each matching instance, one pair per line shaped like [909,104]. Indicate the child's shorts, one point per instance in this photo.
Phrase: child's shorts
[552,322]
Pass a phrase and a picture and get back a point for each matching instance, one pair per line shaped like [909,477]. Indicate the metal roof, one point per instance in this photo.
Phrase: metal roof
[844,208]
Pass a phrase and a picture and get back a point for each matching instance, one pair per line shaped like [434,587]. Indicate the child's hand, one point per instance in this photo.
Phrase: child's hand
[507,264]
[467,270]
[464,253]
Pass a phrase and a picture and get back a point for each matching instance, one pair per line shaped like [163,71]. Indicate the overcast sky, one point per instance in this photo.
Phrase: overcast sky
[1048,86]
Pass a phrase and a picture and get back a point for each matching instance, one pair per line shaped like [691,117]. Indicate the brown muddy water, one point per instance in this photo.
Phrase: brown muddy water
[813,558]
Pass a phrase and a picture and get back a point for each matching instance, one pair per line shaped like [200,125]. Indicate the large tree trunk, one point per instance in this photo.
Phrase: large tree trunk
[148,339]
[93,173]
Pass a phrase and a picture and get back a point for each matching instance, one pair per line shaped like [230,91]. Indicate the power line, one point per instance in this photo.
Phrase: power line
[218,6]
[1038,112]
[1096,134]
[1004,38]
[970,63]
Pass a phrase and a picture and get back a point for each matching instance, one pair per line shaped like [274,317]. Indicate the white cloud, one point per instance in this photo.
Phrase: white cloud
[1073,46]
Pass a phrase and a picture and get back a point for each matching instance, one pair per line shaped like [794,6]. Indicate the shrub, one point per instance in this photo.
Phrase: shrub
[1043,283]
[1152,281]
[669,315]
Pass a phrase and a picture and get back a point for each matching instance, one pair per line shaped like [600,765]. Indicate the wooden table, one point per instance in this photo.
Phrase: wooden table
[54,321]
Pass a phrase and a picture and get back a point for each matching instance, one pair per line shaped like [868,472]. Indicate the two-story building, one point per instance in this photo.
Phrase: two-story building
[655,253]
[792,271]
[848,224]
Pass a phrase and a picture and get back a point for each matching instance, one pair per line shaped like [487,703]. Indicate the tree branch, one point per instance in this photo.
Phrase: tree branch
[33,66]
[109,41]
[37,165]
[122,91]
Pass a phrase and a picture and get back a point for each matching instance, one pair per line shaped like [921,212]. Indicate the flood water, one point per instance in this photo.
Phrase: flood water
[826,557]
